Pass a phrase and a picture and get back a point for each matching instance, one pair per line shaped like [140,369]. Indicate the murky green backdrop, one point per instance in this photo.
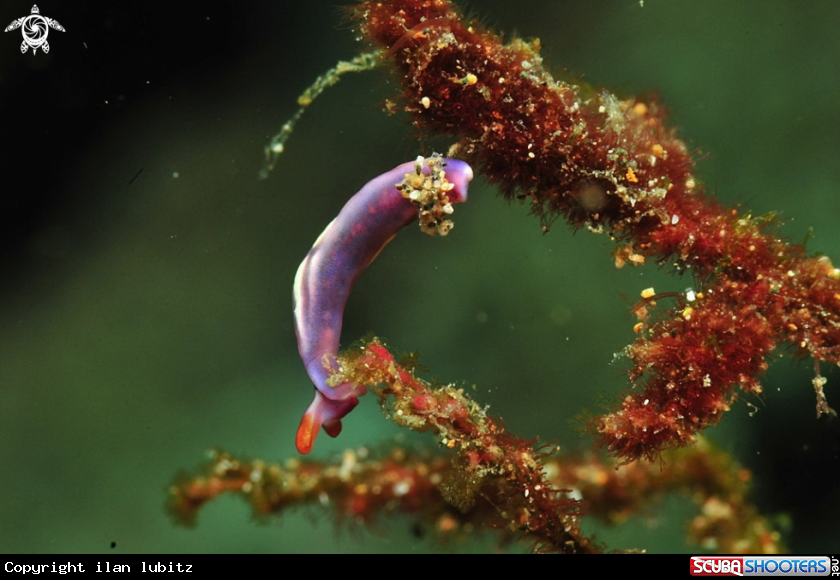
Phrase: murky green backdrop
[145,297]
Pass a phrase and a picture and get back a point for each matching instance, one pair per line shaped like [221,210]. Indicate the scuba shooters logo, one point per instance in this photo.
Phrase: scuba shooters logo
[35,29]
[761,565]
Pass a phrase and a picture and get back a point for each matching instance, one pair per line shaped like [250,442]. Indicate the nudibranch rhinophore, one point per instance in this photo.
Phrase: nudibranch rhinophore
[423,189]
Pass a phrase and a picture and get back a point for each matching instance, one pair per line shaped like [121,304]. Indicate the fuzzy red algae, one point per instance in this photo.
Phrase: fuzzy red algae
[359,487]
[614,166]
[490,463]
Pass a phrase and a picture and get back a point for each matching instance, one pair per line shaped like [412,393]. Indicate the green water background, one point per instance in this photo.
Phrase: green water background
[145,299]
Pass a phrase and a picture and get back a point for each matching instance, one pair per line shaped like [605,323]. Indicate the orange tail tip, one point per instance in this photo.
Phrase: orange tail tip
[306,434]
[322,411]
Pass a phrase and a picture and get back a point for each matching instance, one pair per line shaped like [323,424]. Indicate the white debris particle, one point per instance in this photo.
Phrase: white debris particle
[401,488]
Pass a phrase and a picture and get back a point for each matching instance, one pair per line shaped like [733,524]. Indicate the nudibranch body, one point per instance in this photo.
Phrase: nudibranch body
[365,225]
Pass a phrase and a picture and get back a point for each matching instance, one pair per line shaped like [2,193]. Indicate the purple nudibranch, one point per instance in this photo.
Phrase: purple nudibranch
[349,243]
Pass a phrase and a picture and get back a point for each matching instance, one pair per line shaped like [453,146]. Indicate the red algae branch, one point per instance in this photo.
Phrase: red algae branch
[613,166]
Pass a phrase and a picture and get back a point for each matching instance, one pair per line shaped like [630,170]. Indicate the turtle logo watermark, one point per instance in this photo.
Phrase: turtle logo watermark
[35,29]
